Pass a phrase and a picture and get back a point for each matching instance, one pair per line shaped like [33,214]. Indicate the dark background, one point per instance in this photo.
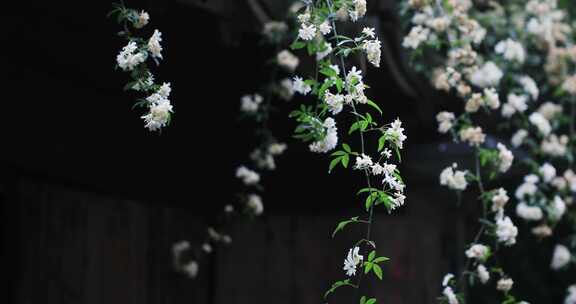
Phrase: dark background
[93,201]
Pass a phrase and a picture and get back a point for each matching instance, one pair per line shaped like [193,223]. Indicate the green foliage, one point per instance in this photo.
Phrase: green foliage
[372,264]
[341,157]
[343,224]
[337,285]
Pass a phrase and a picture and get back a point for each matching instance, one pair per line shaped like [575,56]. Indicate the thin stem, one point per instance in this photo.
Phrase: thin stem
[362,145]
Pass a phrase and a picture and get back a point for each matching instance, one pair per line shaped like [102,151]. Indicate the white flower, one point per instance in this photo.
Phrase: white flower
[491,98]
[273,28]
[439,24]
[143,19]
[518,137]
[254,204]
[388,153]
[528,187]
[285,89]
[445,121]
[499,199]
[228,208]
[549,110]
[250,103]
[474,103]
[529,213]
[325,28]
[557,209]
[165,90]
[516,103]
[506,231]
[488,75]
[329,141]
[359,9]
[179,247]
[504,284]
[450,296]
[304,18]
[569,85]
[529,86]
[477,251]
[363,161]
[548,172]
[372,48]
[144,84]
[206,248]
[398,200]
[417,35]
[287,60]
[446,279]
[453,179]
[248,177]
[154,44]
[511,50]
[159,112]
[571,297]
[542,231]
[335,102]
[127,59]
[300,86]
[396,133]
[554,145]
[561,257]
[369,32]
[191,269]
[483,274]
[352,260]
[307,32]
[541,123]
[506,158]
[322,53]
[472,135]
[277,148]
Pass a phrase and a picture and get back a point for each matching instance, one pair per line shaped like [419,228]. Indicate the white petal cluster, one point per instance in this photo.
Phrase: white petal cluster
[335,102]
[363,162]
[325,28]
[299,86]
[528,188]
[472,135]
[541,123]
[396,133]
[571,297]
[554,145]
[273,28]
[159,108]
[547,171]
[561,257]
[287,60]
[417,35]
[506,231]
[542,231]
[556,209]
[483,274]
[254,204]
[550,110]
[129,58]
[504,284]
[250,103]
[358,10]
[372,49]
[307,32]
[515,104]
[488,75]
[529,86]
[445,121]
[500,199]
[491,98]
[528,213]
[450,296]
[248,177]
[511,50]
[453,179]
[142,20]
[505,157]
[330,139]
[154,46]
[518,138]
[352,260]
[477,251]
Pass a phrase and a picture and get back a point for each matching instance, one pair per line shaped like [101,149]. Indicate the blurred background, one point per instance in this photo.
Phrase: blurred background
[93,202]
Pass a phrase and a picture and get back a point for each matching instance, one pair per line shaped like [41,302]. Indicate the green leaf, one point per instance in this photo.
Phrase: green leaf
[333,163]
[371,301]
[345,160]
[355,126]
[370,200]
[372,255]
[346,148]
[380,259]
[328,72]
[337,153]
[366,190]
[336,285]
[398,153]
[377,271]
[374,105]
[381,142]
[367,267]
[343,224]
[363,300]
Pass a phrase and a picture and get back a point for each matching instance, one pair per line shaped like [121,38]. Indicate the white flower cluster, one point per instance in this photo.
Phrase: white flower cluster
[130,57]
[505,157]
[352,260]
[330,139]
[159,108]
[453,179]
[248,177]
[287,60]
[250,103]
